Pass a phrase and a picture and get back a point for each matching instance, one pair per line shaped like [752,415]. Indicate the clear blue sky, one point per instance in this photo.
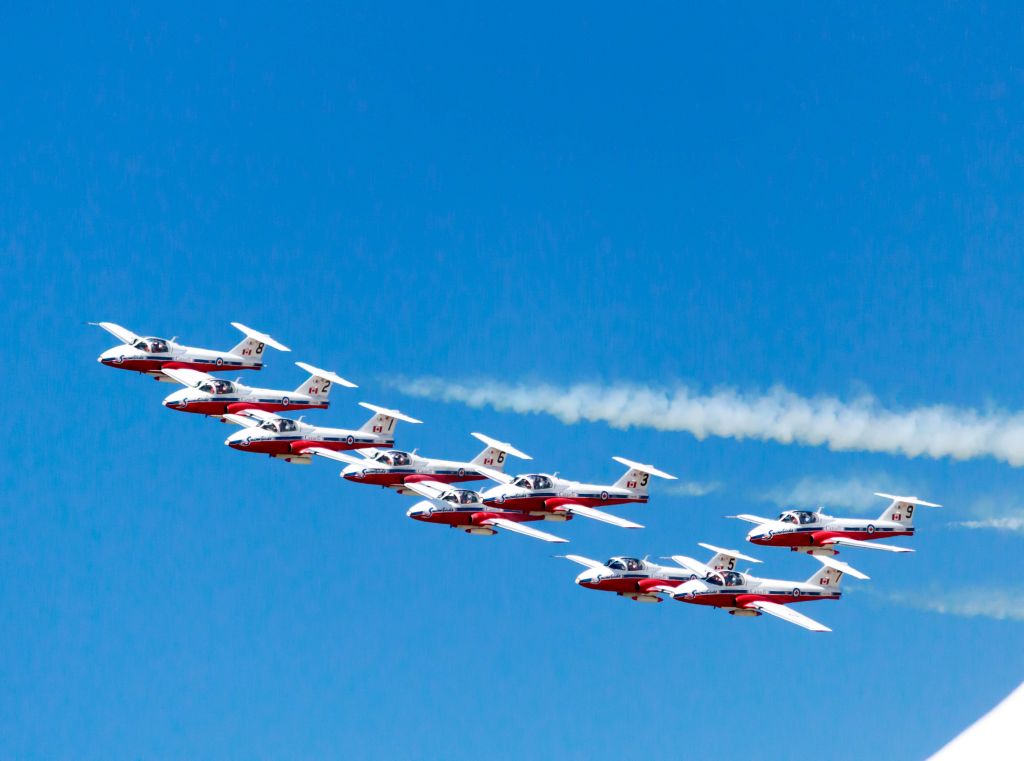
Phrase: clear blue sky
[822,196]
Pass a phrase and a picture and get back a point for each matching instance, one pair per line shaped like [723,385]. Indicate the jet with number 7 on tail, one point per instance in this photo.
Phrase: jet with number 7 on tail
[820,534]
[296,441]
[151,356]
[717,584]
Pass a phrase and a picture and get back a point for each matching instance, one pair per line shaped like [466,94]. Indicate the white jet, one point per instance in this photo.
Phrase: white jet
[151,356]
[296,442]
[207,395]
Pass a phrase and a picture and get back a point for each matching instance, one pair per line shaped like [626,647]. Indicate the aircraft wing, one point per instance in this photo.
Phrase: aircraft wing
[583,561]
[755,519]
[597,515]
[121,334]
[491,473]
[428,489]
[243,420]
[187,377]
[844,542]
[787,614]
[330,454]
[519,528]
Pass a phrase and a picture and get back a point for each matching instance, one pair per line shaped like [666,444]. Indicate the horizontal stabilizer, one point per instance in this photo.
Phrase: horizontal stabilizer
[501,446]
[388,413]
[644,468]
[787,614]
[519,528]
[597,515]
[691,564]
[844,542]
[730,553]
[121,334]
[185,377]
[583,561]
[263,338]
[839,565]
[910,500]
[333,377]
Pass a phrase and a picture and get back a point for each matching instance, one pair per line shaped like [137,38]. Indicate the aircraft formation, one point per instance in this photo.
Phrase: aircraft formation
[370,457]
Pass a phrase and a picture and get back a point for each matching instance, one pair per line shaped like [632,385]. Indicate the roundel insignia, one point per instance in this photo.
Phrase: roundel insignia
[871,528]
[286,400]
[219,361]
[604,496]
[350,440]
[462,472]
[796,592]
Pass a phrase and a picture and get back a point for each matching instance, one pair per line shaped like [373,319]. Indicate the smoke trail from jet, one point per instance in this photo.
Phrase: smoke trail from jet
[778,415]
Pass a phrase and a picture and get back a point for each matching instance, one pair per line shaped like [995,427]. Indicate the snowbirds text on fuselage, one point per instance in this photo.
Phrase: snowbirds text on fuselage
[150,355]
[463,509]
[394,468]
[552,498]
[717,584]
[216,397]
[820,534]
[296,442]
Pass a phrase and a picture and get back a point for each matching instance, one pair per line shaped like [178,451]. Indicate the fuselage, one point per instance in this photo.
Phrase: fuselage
[238,398]
[822,528]
[155,354]
[262,441]
[397,467]
[545,493]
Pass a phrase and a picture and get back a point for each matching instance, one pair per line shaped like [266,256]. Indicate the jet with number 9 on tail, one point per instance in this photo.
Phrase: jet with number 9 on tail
[820,534]
[151,356]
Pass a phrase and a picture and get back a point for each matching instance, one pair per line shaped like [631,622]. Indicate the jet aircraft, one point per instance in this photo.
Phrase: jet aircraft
[820,534]
[556,499]
[150,355]
[296,442]
[216,397]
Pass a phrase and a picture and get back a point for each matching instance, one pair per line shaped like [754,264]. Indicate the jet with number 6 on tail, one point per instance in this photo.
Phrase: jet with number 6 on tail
[151,356]
[296,442]
[216,397]
[820,534]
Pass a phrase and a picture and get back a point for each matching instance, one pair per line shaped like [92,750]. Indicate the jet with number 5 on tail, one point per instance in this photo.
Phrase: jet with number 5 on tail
[151,356]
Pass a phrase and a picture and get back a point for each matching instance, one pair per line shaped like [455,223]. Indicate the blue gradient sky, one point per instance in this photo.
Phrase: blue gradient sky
[824,197]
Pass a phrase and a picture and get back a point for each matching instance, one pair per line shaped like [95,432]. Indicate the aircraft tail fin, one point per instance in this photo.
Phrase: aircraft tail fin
[901,509]
[383,421]
[255,342]
[494,454]
[832,572]
[638,475]
[319,383]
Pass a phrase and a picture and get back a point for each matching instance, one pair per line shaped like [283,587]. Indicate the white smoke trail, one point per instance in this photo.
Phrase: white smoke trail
[779,415]
[984,602]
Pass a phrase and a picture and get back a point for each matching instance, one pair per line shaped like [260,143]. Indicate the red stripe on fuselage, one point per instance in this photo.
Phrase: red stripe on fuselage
[397,479]
[817,538]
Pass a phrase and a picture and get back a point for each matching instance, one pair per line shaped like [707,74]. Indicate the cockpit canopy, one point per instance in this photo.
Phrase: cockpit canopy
[625,564]
[279,425]
[217,387]
[725,579]
[151,345]
[394,457]
[461,497]
[798,517]
[533,482]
